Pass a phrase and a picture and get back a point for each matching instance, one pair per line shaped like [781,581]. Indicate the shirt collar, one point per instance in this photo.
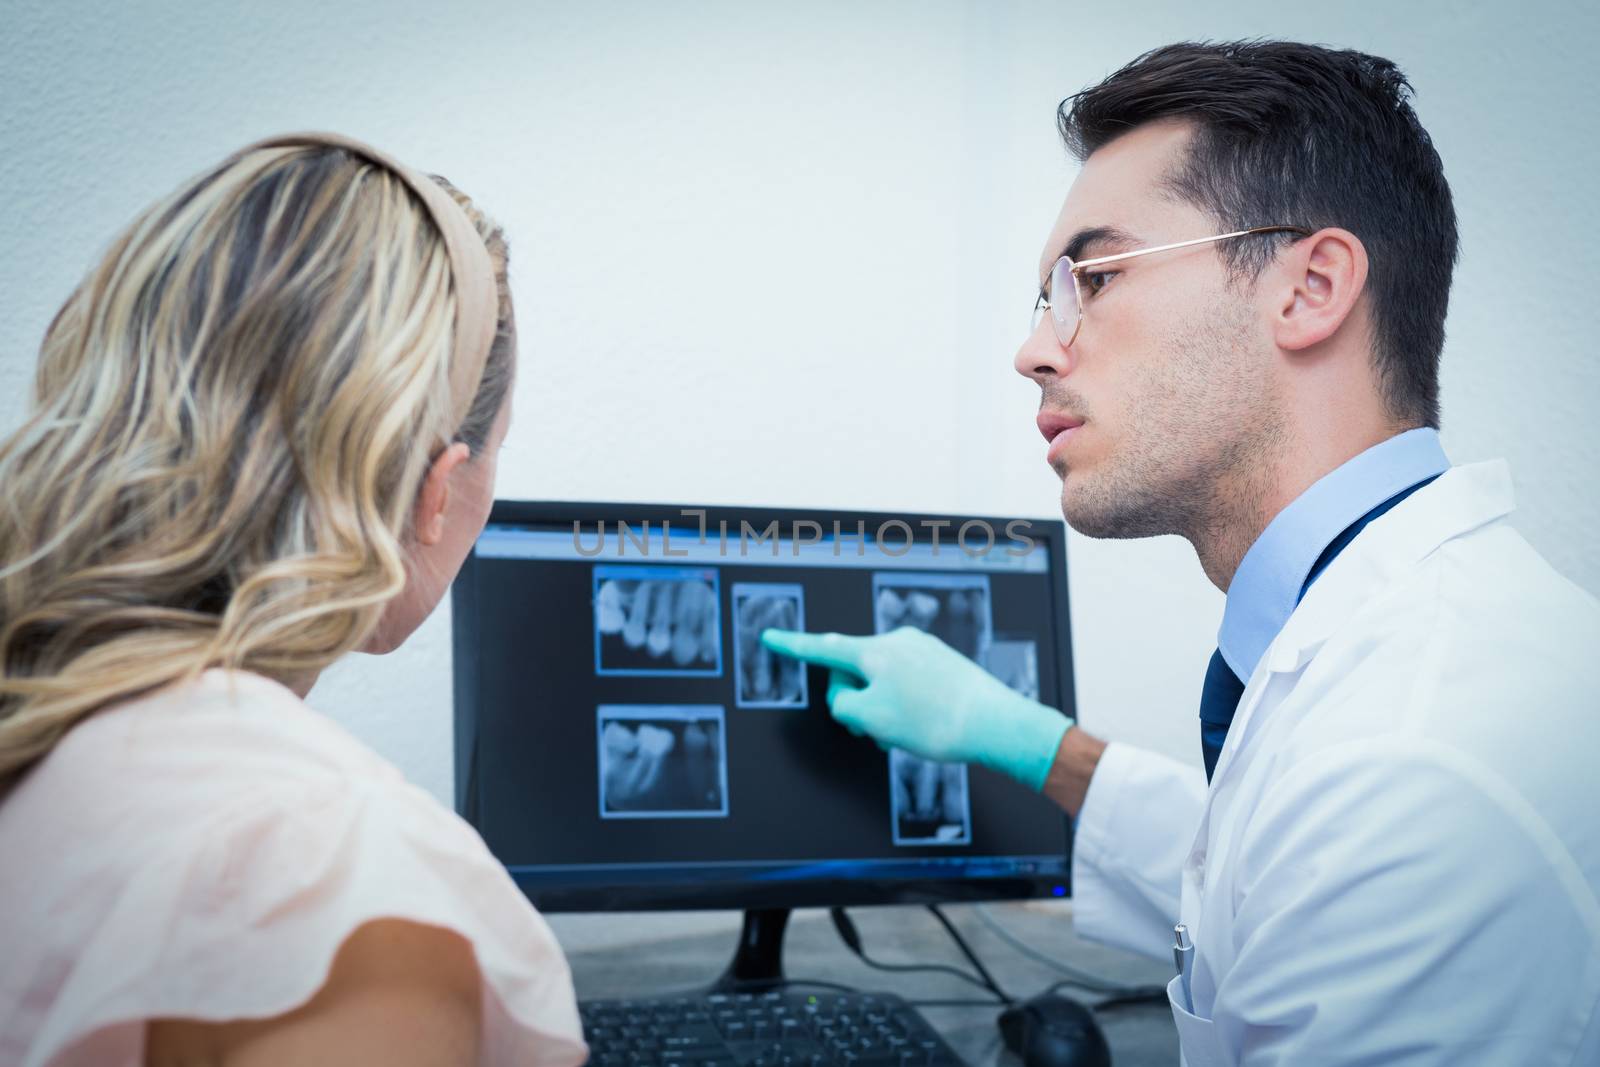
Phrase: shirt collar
[1267,585]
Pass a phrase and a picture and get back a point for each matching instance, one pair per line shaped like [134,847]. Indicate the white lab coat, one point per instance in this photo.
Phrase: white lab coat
[1398,858]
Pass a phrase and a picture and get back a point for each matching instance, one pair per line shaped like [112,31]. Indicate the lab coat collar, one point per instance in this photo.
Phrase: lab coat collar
[1268,583]
[1457,502]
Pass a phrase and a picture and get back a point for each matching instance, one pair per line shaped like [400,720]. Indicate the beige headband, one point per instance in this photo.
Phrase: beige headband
[477,295]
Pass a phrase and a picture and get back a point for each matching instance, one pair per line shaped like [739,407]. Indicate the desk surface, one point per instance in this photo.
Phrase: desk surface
[652,955]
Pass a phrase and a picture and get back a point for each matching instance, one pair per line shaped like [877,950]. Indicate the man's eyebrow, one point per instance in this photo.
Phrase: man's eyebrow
[1097,235]
[1080,242]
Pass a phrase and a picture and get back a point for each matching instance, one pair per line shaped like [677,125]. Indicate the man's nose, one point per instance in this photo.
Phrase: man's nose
[1042,356]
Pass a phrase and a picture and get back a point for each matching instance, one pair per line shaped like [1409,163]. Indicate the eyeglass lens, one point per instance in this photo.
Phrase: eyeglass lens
[1063,301]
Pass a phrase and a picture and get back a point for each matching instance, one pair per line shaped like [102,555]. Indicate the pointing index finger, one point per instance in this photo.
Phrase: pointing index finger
[836,651]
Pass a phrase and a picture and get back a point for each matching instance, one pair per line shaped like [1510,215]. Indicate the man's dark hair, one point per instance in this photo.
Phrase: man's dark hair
[1299,135]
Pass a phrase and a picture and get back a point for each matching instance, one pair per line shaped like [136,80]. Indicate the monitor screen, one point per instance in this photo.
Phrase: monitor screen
[623,740]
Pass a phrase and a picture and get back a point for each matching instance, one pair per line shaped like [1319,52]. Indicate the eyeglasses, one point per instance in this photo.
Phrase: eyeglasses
[1066,311]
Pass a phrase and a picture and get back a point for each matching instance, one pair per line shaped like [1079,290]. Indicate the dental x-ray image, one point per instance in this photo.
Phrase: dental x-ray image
[1016,663]
[651,620]
[661,761]
[928,801]
[764,679]
[952,607]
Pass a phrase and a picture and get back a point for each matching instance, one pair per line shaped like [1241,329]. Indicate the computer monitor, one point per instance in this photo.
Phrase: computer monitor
[623,741]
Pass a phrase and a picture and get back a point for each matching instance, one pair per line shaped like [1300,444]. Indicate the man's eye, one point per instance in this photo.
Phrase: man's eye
[1096,280]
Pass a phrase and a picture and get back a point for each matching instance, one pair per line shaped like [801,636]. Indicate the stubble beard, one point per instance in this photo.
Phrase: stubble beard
[1199,438]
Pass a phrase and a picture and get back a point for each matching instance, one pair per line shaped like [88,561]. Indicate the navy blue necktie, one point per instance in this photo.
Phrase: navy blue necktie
[1219,697]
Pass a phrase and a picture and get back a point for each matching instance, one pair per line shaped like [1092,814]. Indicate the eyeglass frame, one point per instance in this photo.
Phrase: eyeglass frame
[1074,267]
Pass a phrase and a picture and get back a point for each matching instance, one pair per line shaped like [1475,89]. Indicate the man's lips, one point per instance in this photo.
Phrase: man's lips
[1057,429]
[1051,424]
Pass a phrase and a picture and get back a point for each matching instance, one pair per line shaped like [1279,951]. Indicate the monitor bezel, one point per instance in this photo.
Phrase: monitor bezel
[1050,534]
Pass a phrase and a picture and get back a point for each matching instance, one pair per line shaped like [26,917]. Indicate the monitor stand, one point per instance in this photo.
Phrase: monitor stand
[757,964]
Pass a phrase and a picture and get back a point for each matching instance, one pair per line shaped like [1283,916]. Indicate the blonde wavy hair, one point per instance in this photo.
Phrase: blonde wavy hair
[232,416]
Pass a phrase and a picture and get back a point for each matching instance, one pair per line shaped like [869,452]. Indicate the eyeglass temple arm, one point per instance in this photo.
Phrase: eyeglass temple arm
[1099,260]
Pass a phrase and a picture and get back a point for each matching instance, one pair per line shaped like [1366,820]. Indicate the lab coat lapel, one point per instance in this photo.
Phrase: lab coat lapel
[1459,501]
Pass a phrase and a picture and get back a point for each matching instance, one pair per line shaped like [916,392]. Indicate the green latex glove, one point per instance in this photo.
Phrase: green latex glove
[908,689]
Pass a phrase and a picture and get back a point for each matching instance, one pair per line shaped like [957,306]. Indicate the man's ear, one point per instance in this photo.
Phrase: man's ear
[427,520]
[1325,274]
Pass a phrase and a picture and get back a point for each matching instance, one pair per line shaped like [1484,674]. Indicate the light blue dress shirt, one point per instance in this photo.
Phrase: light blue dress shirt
[1268,583]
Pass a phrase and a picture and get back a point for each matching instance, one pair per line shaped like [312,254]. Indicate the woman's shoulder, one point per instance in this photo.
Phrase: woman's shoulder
[221,840]
[173,766]
[253,726]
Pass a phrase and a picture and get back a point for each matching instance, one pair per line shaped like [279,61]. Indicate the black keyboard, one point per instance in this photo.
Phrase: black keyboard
[784,1029]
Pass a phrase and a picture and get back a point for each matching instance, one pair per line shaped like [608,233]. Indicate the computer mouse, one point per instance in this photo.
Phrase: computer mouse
[1051,1030]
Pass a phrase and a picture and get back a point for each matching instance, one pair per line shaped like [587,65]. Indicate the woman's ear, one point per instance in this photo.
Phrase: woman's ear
[1325,274]
[427,519]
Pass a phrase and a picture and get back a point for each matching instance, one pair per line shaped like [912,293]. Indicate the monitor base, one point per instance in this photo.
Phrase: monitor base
[757,963]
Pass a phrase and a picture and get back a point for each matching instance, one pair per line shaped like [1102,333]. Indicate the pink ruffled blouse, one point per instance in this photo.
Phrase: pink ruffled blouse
[204,851]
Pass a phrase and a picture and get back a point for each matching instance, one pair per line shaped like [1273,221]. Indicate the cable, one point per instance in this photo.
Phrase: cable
[1141,994]
[852,940]
[1116,995]
[1081,979]
[1120,996]
[966,950]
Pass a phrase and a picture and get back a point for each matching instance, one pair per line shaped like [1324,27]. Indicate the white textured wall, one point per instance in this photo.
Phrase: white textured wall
[782,254]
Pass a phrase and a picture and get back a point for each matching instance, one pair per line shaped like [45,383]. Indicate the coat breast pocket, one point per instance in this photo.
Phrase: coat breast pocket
[1197,1037]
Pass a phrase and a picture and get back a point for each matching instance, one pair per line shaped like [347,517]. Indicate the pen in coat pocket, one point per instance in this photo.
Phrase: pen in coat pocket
[1183,956]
